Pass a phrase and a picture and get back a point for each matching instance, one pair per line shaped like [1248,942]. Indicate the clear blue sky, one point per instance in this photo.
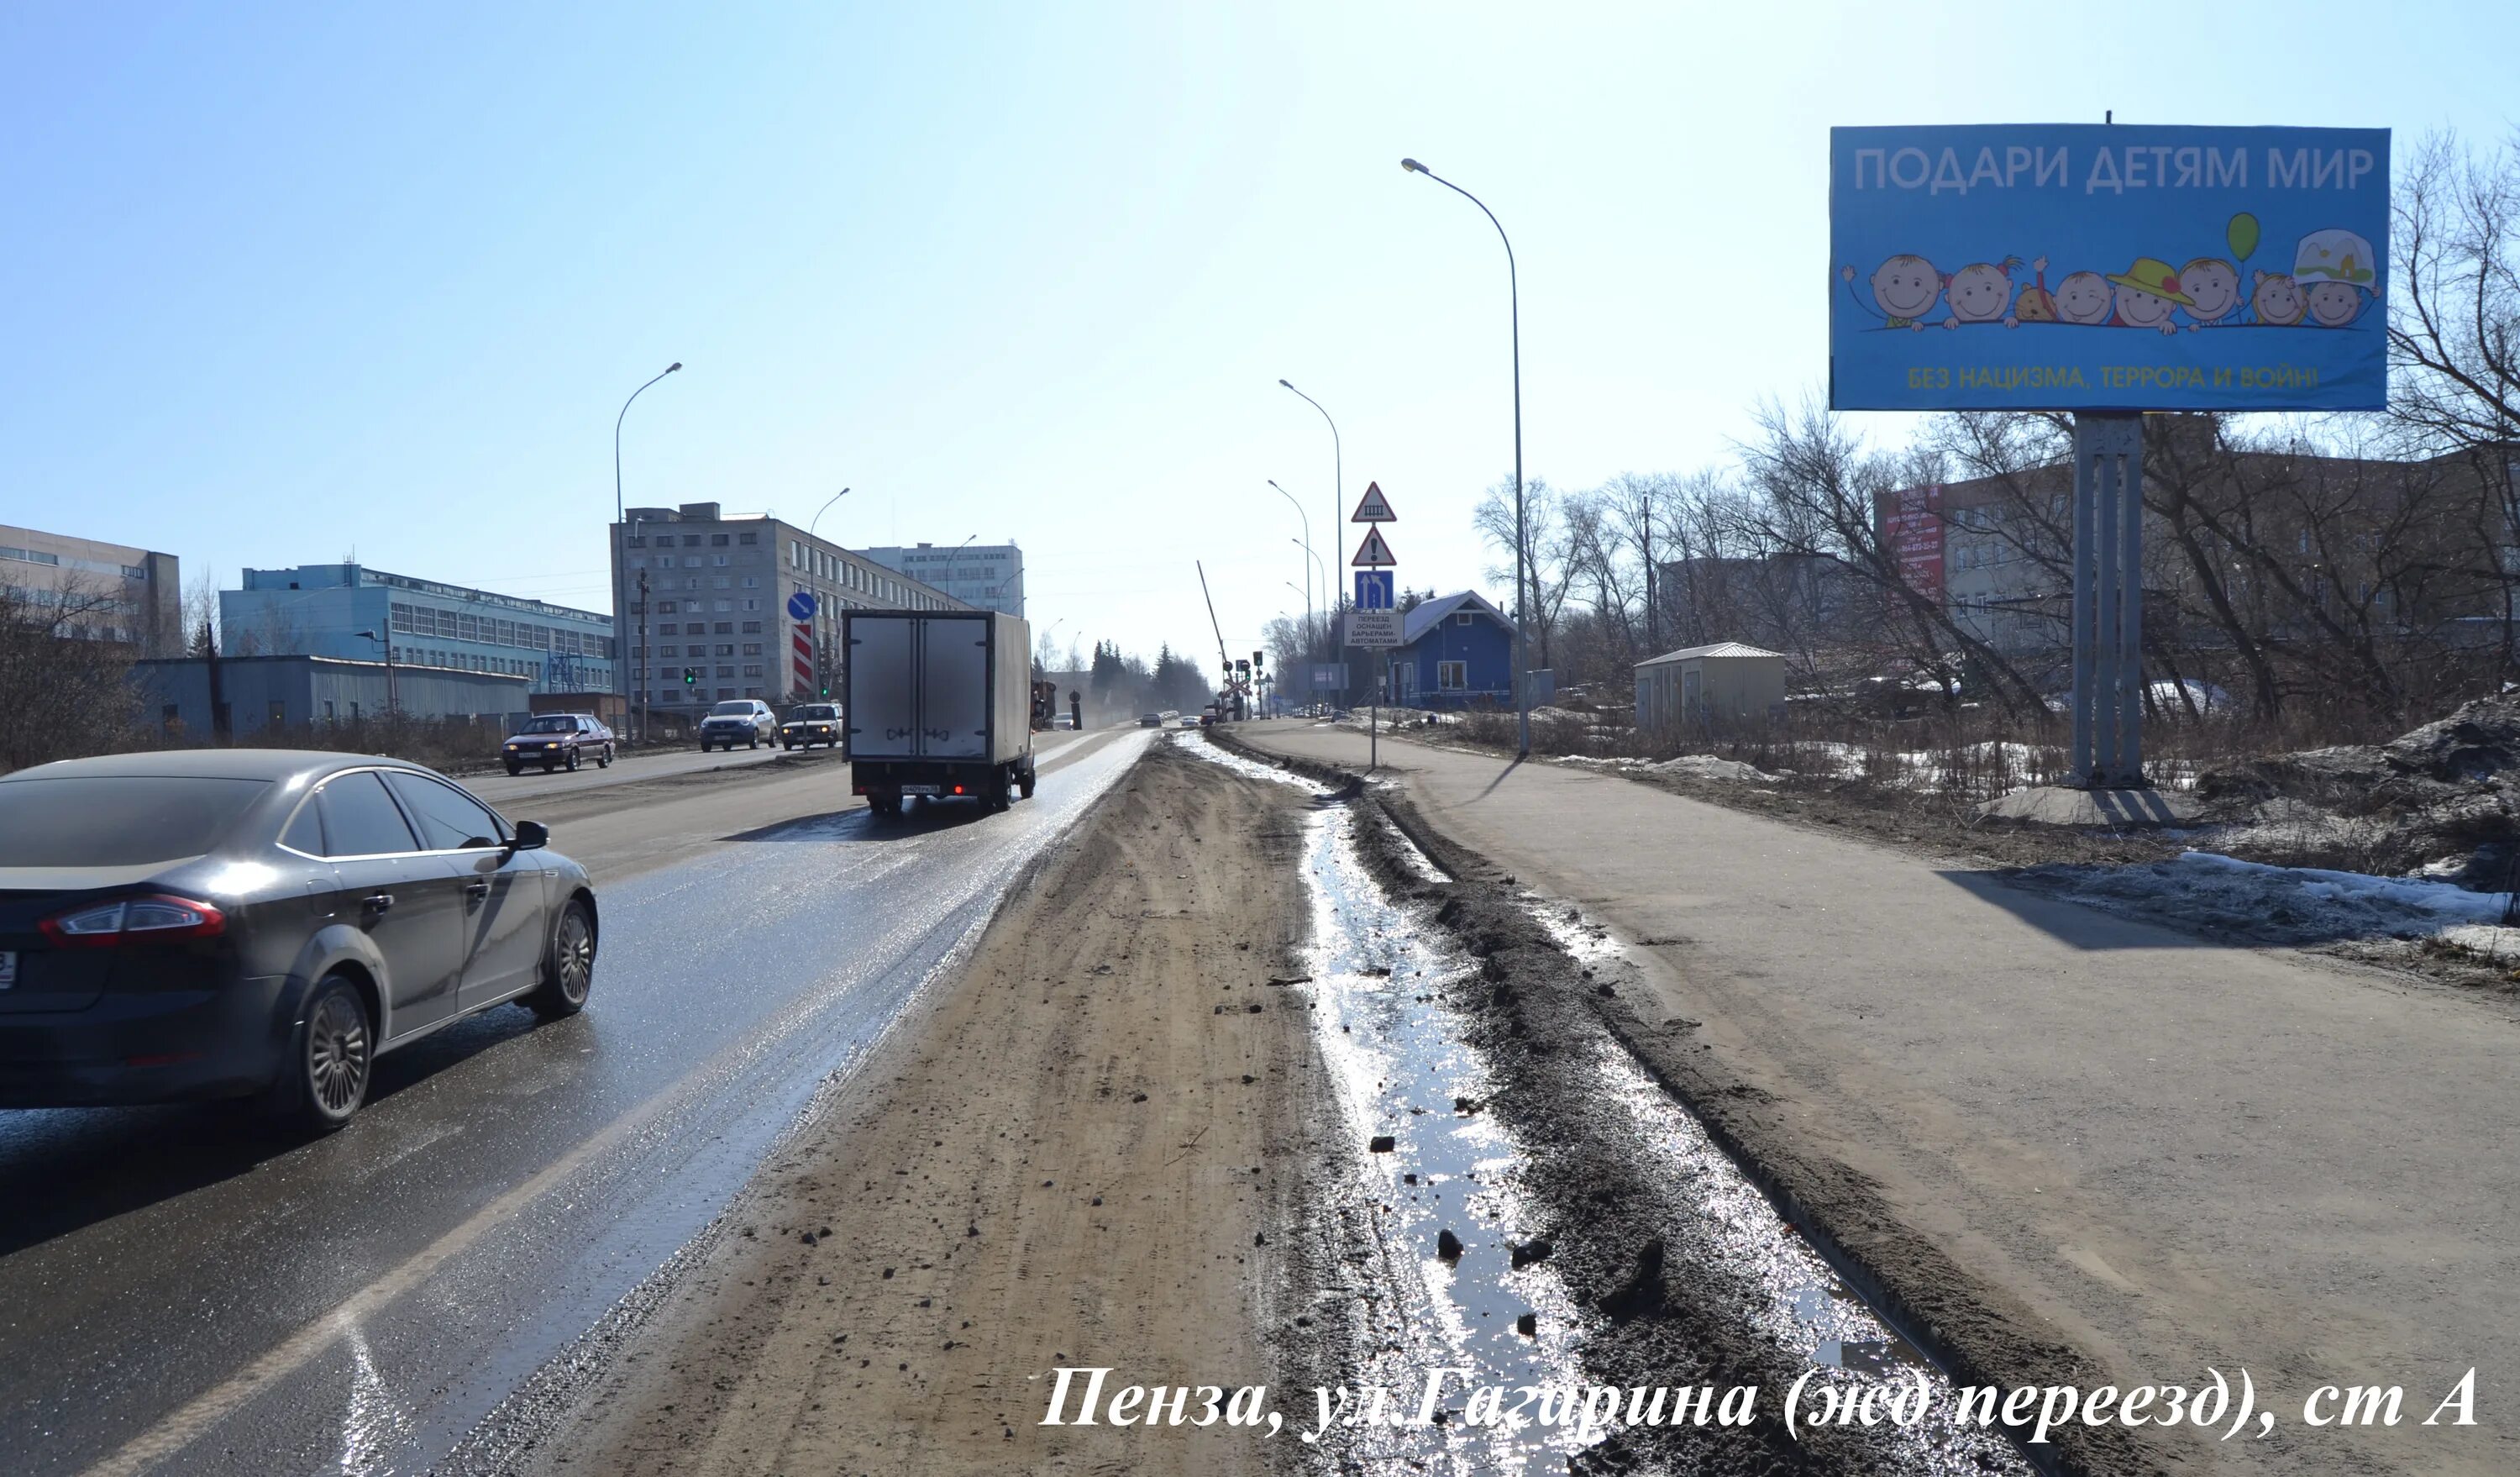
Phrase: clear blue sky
[284,283]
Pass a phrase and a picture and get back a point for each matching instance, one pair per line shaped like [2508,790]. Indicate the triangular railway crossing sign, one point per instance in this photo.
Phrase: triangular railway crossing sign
[1374,507]
[1373,553]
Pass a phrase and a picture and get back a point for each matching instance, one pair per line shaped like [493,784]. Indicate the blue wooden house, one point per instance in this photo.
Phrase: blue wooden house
[1456,651]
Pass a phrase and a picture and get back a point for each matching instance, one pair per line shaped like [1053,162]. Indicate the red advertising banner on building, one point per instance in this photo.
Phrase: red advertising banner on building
[1911,533]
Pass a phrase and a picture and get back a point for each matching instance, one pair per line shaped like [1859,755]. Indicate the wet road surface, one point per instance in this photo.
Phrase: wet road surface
[180,1294]
[508,791]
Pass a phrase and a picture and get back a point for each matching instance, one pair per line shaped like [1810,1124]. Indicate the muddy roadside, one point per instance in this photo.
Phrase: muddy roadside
[1088,1151]
[1663,1302]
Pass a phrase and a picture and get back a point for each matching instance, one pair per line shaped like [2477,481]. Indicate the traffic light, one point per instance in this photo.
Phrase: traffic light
[1259,659]
[691,676]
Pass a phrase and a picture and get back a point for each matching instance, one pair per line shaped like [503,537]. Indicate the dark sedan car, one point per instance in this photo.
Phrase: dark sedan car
[234,923]
[557,741]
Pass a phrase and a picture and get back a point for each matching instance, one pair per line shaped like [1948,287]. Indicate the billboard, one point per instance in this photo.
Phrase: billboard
[2097,267]
[1911,530]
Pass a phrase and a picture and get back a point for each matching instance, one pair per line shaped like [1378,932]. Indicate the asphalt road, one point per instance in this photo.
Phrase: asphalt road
[180,1294]
[506,791]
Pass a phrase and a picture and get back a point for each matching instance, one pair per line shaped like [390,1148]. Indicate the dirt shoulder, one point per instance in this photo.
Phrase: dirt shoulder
[1064,1161]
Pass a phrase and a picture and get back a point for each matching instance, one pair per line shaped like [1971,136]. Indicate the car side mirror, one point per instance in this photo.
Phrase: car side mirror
[532,835]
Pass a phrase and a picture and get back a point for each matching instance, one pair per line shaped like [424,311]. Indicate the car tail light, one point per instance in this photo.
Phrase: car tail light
[134,920]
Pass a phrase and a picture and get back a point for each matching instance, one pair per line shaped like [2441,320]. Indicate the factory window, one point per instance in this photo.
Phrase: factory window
[691,541]
[753,670]
[719,560]
[747,538]
[752,691]
[752,648]
[726,691]
[725,628]
[752,628]
[664,607]
[723,582]
[690,560]
[753,582]
[726,648]
[635,543]
[718,540]
[752,605]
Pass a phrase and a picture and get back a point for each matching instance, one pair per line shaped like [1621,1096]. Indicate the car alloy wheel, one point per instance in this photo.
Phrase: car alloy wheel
[338,1053]
[568,969]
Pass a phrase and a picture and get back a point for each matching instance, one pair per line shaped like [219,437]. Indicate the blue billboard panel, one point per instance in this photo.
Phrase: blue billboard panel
[2092,267]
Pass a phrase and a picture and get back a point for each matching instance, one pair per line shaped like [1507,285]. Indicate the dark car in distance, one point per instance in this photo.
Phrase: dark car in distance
[263,922]
[558,740]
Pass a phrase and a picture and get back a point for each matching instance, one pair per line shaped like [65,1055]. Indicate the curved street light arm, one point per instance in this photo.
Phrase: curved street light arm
[1526,606]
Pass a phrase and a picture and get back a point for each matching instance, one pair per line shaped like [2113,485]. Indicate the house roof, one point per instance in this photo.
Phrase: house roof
[1421,618]
[1718,648]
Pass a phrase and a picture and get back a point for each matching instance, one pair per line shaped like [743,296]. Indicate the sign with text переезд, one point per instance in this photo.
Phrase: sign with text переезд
[2096,267]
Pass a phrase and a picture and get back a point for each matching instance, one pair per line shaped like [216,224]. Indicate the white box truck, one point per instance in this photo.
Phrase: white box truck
[938,704]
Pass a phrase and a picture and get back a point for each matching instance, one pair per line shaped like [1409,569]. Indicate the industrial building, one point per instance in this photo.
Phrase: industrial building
[268,696]
[329,609]
[1722,683]
[986,576]
[706,599]
[104,592]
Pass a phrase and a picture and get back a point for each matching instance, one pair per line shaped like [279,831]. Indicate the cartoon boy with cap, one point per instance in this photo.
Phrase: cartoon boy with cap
[1905,287]
[2334,268]
[2148,291]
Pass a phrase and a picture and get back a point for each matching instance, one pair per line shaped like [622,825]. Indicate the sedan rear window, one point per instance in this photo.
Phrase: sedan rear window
[736,709]
[124,820]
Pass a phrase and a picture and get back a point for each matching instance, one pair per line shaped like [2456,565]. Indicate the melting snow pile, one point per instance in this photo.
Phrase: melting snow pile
[2287,904]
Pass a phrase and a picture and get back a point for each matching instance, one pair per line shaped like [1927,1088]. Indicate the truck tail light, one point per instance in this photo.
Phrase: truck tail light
[134,920]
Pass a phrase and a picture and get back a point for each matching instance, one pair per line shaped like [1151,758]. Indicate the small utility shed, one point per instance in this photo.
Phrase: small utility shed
[1453,651]
[1723,683]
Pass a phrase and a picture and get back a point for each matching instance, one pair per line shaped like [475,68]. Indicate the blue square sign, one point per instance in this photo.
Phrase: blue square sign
[1374,588]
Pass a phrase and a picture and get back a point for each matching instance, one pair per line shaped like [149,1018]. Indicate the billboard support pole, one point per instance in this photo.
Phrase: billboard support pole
[2108,601]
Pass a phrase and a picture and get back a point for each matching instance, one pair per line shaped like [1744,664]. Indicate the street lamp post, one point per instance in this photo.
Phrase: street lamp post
[386,642]
[1525,606]
[1310,558]
[1338,500]
[824,615]
[621,658]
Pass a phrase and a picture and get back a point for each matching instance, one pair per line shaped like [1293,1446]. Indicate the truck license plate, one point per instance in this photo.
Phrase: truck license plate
[919,790]
[8,969]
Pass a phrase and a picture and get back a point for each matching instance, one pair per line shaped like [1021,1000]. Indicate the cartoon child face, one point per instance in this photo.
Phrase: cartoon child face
[2083,298]
[2335,304]
[2214,287]
[1980,293]
[2278,299]
[1906,286]
[2141,309]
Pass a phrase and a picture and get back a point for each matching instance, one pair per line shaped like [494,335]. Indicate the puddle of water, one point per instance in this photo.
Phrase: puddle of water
[1400,1067]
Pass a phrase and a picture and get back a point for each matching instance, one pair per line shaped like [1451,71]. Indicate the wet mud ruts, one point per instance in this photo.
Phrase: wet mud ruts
[1670,1312]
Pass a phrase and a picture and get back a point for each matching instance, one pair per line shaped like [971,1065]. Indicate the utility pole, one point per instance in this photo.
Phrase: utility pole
[1525,586]
[620,549]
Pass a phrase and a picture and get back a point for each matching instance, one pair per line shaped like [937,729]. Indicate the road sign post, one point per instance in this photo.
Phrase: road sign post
[1373,624]
[800,610]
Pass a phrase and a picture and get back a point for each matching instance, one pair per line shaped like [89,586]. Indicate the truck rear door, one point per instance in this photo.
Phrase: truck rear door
[883,708]
[955,685]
